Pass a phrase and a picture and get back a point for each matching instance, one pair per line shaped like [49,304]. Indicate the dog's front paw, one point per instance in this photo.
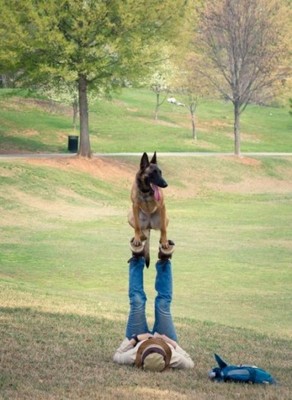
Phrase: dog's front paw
[136,242]
[165,245]
[166,252]
[137,249]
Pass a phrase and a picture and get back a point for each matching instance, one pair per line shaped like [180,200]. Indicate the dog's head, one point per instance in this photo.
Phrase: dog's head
[151,171]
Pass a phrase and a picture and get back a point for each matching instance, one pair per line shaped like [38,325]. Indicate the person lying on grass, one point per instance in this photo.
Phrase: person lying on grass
[158,349]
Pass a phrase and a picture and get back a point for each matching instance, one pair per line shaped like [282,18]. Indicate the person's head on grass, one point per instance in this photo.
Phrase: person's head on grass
[153,355]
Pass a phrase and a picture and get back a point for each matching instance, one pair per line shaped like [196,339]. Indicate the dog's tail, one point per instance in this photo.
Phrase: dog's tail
[146,233]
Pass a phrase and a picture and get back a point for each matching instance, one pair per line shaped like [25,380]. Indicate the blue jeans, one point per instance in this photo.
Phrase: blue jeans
[137,322]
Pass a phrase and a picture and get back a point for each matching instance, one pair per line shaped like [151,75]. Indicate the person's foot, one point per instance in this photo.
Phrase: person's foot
[166,253]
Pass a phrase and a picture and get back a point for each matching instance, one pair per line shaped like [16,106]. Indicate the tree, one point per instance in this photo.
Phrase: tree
[94,43]
[159,86]
[190,87]
[242,44]
[161,79]
[60,91]
[191,104]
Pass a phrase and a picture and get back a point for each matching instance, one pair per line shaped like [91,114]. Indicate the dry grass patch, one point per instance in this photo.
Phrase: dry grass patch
[61,208]
[254,186]
[50,355]
[107,169]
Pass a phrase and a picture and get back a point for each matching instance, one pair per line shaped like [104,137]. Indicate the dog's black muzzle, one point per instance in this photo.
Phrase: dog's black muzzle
[163,184]
[160,182]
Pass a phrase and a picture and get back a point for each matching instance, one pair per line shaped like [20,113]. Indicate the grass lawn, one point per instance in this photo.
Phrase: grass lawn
[126,123]
[64,275]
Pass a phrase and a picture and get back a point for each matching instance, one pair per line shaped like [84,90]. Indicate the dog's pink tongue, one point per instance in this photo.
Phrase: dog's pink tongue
[156,192]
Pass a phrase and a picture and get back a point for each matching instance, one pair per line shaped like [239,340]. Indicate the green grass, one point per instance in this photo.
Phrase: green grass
[64,249]
[126,124]
[64,276]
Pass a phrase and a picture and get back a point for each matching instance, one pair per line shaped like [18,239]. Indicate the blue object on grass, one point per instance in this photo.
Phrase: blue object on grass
[239,373]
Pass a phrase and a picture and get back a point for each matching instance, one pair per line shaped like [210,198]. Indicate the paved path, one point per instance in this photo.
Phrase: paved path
[161,154]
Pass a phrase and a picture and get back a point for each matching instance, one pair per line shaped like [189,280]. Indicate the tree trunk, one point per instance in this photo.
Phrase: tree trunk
[192,109]
[157,106]
[193,125]
[3,81]
[84,149]
[75,112]
[236,129]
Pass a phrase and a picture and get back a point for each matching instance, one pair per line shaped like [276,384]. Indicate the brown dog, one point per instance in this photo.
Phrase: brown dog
[148,211]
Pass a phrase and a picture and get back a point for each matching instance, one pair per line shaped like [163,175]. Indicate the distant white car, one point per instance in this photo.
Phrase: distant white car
[172,100]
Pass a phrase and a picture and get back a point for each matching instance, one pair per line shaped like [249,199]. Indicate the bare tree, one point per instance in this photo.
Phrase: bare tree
[163,74]
[241,41]
[191,105]
[190,88]
[159,86]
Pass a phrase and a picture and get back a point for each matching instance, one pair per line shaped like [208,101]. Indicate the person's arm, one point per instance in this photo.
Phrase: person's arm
[166,339]
[126,353]
[180,358]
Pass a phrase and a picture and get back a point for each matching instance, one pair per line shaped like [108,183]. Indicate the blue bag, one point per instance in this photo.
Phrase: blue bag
[239,373]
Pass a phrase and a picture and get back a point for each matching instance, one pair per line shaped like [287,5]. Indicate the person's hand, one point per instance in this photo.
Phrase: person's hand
[144,336]
[166,339]
[140,338]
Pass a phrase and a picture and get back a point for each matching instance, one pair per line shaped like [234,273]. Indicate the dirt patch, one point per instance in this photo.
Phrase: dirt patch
[244,161]
[254,186]
[251,184]
[249,161]
[117,172]
[123,174]
[103,168]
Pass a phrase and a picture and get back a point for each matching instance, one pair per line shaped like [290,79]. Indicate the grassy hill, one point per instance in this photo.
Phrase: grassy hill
[126,124]
[64,251]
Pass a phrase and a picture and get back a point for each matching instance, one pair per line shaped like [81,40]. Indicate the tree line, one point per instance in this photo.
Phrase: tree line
[238,48]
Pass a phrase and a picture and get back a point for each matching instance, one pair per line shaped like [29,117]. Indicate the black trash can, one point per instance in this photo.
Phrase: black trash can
[73,144]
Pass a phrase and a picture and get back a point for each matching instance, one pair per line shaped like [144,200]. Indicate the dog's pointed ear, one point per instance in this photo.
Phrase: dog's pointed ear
[144,163]
[153,160]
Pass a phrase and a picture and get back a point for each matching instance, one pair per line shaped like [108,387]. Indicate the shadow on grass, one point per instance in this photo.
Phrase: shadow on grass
[62,356]
[24,144]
